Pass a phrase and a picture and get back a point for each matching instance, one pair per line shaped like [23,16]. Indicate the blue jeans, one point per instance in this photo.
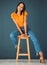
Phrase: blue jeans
[14,38]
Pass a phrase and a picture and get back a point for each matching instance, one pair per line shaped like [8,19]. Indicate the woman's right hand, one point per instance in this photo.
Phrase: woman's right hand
[22,34]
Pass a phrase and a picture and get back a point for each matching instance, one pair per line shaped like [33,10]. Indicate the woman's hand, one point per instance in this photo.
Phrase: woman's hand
[23,34]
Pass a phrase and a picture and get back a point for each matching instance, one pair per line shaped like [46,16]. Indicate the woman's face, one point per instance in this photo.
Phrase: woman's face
[20,7]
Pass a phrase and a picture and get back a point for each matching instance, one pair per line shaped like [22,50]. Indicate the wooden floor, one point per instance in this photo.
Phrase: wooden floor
[21,62]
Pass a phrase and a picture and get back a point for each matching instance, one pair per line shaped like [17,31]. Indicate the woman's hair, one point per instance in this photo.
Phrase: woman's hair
[23,7]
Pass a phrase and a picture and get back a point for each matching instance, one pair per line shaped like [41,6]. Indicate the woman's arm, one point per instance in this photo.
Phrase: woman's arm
[25,24]
[17,26]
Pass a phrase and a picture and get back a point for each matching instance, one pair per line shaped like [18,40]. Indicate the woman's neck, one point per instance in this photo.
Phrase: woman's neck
[18,12]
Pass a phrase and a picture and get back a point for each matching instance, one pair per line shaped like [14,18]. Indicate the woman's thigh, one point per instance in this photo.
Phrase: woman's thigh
[14,33]
[31,34]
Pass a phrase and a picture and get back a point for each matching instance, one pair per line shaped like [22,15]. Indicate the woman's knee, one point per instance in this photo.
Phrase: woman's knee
[14,34]
[30,32]
[11,35]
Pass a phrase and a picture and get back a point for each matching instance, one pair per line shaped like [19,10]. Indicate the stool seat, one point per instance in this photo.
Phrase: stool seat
[23,37]
[28,48]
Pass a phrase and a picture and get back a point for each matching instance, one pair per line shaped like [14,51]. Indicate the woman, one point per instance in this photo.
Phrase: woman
[20,19]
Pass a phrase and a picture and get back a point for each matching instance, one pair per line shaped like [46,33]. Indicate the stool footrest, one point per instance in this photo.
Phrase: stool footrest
[23,54]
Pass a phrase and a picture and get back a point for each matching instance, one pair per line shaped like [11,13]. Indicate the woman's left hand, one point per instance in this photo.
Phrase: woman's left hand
[24,35]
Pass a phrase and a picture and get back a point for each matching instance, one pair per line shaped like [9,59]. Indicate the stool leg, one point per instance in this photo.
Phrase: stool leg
[18,49]
[28,49]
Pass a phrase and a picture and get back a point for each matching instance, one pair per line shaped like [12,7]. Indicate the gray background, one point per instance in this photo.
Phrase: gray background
[37,19]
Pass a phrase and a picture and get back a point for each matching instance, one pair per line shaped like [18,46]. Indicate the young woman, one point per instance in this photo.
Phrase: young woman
[20,19]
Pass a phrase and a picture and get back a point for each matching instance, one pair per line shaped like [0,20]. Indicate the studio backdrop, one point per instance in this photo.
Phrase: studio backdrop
[37,20]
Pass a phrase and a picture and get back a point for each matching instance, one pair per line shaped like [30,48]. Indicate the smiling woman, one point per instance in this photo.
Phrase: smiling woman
[20,19]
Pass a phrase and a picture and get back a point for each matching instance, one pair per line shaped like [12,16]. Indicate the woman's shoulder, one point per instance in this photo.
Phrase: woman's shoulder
[25,13]
[13,14]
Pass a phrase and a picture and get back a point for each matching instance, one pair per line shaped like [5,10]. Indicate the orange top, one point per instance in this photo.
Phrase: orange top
[19,18]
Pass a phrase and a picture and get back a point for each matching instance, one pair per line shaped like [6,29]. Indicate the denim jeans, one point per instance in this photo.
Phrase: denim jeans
[14,38]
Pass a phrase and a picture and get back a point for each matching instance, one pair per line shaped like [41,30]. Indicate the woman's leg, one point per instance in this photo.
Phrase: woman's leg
[35,41]
[14,38]
[36,45]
